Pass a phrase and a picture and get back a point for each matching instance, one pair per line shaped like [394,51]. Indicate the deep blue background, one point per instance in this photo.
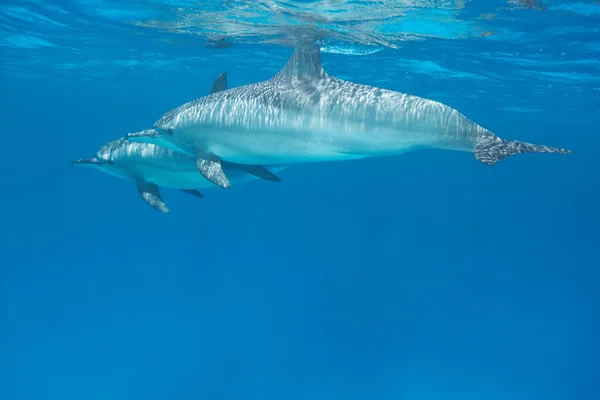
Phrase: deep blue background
[423,276]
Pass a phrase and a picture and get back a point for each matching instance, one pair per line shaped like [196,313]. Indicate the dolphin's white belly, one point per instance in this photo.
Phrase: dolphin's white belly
[299,144]
[272,147]
[164,177]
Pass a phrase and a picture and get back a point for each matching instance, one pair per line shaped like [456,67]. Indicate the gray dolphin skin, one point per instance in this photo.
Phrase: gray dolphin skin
[302,114]
[151,166]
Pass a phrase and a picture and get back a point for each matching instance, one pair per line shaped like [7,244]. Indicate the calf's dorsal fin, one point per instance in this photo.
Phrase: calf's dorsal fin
[305,63]
[219,84]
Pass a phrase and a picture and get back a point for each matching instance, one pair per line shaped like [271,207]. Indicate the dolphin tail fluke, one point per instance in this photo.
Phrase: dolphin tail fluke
[490,149]
[150,194]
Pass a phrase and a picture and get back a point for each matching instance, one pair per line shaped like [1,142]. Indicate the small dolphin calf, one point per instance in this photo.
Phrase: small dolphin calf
[304,115]
[152,166]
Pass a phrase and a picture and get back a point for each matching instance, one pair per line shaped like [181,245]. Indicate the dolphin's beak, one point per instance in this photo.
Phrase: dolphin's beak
[145,136]
[94,161]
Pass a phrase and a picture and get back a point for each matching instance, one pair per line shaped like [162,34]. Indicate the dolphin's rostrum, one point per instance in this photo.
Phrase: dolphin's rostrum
[303,114]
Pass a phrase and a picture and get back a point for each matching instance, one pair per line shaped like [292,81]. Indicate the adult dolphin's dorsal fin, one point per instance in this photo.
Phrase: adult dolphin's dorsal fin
[305,63]
[219,84]
[150,194]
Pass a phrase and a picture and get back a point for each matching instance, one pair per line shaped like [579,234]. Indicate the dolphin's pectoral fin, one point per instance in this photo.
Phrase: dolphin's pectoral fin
[209,166]
[259,171]
[193,192]
[145,136]
[150,194]
[219,84]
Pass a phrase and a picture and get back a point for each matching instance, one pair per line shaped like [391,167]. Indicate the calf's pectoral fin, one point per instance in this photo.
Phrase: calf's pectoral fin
[209,166]
[150,194]
[193,192]
[259,171]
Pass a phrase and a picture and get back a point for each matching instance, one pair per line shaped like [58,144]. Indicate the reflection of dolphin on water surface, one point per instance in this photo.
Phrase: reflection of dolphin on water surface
[153,166]
[304,115]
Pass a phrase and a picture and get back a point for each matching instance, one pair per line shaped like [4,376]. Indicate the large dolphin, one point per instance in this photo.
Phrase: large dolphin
[302,114]
[151,166]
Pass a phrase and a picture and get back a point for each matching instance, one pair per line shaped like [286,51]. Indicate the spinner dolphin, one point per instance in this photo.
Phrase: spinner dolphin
[303,114]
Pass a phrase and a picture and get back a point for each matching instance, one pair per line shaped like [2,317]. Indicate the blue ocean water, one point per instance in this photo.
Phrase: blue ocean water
[422,276]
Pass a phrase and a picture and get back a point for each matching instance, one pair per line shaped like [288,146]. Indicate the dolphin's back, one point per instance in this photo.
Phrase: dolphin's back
[122,151]
[326,108]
